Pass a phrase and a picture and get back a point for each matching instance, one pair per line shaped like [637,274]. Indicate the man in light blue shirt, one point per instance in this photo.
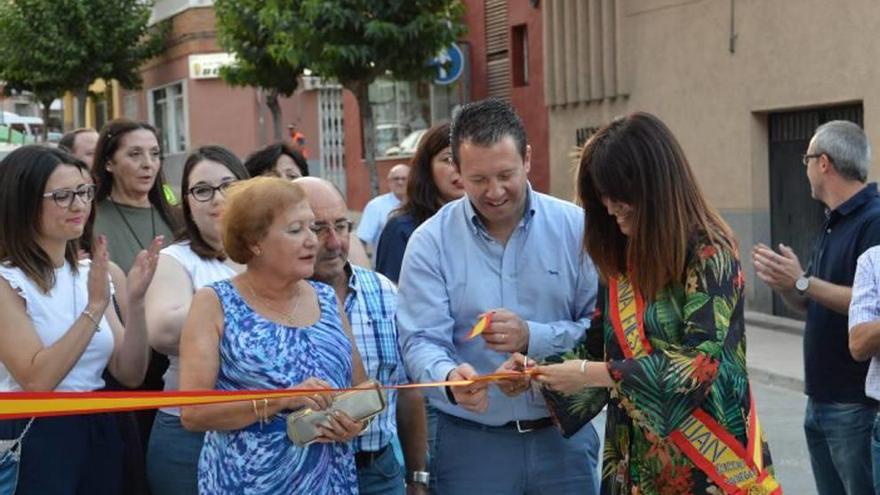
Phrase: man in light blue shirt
[509,250]
[378,209]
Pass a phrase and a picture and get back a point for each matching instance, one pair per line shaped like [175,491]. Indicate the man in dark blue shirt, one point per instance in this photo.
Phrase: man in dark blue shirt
[839,416]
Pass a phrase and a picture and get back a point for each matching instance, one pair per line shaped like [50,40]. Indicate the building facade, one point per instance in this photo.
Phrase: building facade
[184,97]
[503,58]
[742,83]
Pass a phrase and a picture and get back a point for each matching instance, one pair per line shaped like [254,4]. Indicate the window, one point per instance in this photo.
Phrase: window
[520,41]
[403,110]
[168,114]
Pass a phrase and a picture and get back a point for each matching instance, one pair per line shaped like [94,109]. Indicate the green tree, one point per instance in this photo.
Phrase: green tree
[52,46]
[245,28]
[33,60]
[357,41]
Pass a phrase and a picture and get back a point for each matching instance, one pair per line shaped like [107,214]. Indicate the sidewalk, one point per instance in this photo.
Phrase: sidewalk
[775,350]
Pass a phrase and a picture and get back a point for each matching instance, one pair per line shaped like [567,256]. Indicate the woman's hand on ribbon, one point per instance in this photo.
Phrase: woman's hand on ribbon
[317,401]
[566,377]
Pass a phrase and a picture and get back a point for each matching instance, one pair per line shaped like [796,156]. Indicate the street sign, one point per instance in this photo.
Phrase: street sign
[207,65]
[450,64]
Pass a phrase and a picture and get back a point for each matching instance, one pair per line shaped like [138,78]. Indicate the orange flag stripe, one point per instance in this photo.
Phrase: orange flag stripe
[14,405]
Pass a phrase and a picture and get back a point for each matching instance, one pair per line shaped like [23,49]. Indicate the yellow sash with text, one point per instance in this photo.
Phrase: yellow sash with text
[706,443]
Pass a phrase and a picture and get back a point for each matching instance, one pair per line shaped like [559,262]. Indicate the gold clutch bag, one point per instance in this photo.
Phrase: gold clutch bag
[359,405]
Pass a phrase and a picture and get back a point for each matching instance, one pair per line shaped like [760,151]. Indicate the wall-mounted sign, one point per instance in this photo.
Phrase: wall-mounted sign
[207,65]
[450,63]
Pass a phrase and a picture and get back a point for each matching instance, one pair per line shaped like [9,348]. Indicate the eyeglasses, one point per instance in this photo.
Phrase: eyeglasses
[204,192]
[340,227]
[806,158]
[64,197]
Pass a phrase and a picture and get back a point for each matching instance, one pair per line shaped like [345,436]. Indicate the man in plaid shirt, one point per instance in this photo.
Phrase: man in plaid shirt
[370,302]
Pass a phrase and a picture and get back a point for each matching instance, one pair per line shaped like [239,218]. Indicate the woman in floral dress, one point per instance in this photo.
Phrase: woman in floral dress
[269,327]
[667,349]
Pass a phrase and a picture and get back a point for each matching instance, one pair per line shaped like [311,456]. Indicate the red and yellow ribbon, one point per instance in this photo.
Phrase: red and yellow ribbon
[717,453]
[15,405]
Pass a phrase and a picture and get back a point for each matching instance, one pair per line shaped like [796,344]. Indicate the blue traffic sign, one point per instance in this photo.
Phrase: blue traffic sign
[450,64]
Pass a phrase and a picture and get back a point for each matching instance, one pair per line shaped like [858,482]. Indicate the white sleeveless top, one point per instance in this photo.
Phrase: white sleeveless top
[202,273]
[52,315]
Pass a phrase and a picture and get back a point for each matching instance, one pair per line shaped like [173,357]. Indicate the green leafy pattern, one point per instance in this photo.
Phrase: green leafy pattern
[697,334]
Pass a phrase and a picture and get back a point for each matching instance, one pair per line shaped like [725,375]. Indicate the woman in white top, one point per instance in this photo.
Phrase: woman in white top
[58,331]
[194,261]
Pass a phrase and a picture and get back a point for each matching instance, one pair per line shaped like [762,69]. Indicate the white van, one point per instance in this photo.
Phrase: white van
[31,128]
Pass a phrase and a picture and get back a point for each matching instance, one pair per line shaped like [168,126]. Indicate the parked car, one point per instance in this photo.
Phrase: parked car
[408,145]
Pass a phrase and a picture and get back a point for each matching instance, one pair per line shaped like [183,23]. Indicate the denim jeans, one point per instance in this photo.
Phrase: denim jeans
[474,459]
[173,457]
[383,476]
[875,453]
[839,441]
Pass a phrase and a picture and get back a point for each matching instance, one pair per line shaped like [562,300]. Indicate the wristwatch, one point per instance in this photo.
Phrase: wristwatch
[421,477]
[802,284]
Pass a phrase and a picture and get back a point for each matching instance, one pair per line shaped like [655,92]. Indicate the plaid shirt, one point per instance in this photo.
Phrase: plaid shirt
[371,307]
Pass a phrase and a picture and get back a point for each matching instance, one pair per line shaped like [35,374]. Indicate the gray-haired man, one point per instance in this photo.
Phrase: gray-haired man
[839,416]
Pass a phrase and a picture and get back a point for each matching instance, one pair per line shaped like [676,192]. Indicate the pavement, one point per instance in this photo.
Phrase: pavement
[774,350]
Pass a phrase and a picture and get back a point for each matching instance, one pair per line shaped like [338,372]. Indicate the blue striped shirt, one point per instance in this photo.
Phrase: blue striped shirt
[371,305]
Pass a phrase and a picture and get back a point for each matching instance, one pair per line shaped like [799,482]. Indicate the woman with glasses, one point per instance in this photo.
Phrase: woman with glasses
[58,331]
[195,260]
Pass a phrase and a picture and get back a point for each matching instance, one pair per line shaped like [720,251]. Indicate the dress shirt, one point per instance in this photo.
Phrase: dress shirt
[374,218]
[865,307]
[453,271]
[370,306]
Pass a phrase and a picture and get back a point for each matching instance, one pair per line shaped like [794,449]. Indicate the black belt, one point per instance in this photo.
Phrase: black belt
[367,458]
[521,426]
[527,425]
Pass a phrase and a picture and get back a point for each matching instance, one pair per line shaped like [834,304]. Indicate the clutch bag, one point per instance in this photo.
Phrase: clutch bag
[359,405]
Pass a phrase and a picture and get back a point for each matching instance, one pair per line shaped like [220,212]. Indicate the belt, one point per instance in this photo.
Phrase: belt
[527,425]
[367,458]
[520,426]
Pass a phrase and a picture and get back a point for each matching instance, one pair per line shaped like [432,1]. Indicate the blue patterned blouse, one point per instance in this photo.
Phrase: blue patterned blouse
[256,353]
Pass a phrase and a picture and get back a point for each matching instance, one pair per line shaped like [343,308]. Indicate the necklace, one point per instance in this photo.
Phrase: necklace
[288,317]
[131,229]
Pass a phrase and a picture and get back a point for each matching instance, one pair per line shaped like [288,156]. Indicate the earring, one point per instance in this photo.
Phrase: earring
[258,251]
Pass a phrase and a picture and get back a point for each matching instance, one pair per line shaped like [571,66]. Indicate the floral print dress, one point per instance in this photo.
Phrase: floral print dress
[259,354]
[697,333]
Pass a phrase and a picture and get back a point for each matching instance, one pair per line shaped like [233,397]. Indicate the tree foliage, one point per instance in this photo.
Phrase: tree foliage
[247,28]
[52,46]
[357,41]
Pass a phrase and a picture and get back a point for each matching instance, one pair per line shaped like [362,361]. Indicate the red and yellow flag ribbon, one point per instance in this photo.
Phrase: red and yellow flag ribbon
[735,469]
[15,405]
[482,324]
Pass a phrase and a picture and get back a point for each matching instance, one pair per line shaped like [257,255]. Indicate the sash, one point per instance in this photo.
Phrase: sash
[703,440]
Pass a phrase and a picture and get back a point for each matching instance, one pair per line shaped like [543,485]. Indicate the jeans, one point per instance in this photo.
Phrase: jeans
[173,457]
[839,441]
[383,476]
[474,459]
[875,453]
